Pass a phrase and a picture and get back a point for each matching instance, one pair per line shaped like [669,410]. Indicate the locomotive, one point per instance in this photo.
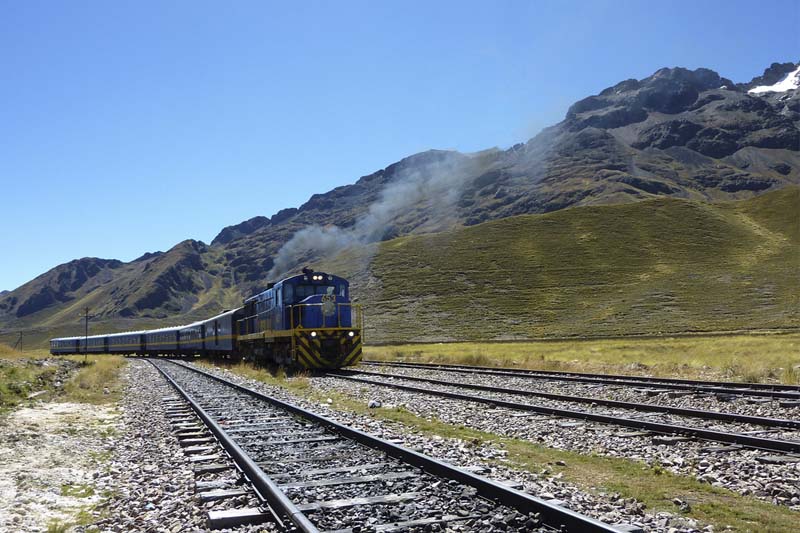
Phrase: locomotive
[305,321]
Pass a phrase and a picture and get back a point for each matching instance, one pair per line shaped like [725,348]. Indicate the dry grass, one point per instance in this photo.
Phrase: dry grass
[21,374]
[97,379]
[7,352]
[754,358]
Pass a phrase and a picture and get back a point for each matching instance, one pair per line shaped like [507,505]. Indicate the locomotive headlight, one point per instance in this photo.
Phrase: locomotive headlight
[351,334]
[313,333]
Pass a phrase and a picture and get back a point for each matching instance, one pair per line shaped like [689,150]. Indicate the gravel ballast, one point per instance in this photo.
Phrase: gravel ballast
[482,457]
[641,394]
[746,471]
[150,478]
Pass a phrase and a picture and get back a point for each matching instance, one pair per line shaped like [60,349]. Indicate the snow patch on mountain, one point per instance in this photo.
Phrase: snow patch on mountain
[789,83]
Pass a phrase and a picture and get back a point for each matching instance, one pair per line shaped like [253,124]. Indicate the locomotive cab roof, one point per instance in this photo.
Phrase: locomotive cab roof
[308,276]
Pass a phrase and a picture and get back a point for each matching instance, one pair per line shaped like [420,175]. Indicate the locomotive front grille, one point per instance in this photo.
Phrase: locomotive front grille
[327,349]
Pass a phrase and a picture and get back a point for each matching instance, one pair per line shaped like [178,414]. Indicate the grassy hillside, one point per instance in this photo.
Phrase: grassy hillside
[653,267]
[658,266]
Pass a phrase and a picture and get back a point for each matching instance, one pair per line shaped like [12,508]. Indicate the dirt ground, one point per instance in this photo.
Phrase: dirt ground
[49,455]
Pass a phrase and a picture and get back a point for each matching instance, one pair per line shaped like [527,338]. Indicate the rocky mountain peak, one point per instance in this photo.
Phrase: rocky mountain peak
[701,79]
[247,227]
[668,90]
[147,256]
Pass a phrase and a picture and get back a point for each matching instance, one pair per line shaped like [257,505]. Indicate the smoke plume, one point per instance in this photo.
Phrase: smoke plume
[440,181]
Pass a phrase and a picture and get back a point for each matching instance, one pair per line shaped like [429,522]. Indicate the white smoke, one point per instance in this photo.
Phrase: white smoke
[311,240]
[441,182]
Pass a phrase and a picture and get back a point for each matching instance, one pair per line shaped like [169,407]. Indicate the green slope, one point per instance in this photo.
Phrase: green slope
[657,266]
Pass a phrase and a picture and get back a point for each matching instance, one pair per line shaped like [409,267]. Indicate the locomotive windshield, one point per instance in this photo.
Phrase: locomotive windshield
[298,293]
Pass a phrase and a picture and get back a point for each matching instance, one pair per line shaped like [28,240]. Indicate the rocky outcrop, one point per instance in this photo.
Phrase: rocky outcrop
[668,91]
[240,230]
[147,256]
[666,134]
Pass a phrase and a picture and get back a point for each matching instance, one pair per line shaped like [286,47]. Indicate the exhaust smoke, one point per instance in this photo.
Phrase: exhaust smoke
[441,181]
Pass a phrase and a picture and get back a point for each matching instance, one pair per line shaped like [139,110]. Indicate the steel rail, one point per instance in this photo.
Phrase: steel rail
[656,427]
[550,514]
[262,483]
[720,387]
[682,411]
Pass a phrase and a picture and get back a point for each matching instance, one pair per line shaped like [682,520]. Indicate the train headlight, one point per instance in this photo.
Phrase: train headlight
[313,333]
[351,334]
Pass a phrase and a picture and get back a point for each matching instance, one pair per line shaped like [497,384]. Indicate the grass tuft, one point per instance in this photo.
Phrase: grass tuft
[77,491]
[57,526]
[791,376]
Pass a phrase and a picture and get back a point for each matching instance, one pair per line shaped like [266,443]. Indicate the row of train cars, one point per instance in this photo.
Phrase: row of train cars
[213,336]
[305,321]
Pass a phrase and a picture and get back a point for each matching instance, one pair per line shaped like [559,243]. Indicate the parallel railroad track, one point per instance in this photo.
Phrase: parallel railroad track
[791,392]
[315,474]
[500,397]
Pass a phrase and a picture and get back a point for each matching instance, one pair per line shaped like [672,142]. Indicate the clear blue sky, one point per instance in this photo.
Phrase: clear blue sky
[126,127]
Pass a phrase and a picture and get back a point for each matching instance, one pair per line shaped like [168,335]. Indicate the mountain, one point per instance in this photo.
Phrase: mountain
[684,134]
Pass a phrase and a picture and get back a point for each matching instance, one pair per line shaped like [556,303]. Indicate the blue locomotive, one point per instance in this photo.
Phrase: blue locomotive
[305,321]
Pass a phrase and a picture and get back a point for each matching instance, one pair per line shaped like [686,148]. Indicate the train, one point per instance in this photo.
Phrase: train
[306,321]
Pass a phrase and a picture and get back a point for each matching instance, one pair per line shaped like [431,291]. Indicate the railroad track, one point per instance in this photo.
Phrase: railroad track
[742,430]
[790,392]
[314,474]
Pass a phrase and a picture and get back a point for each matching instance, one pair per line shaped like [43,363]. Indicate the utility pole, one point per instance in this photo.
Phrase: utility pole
[18,344]
[86,318]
